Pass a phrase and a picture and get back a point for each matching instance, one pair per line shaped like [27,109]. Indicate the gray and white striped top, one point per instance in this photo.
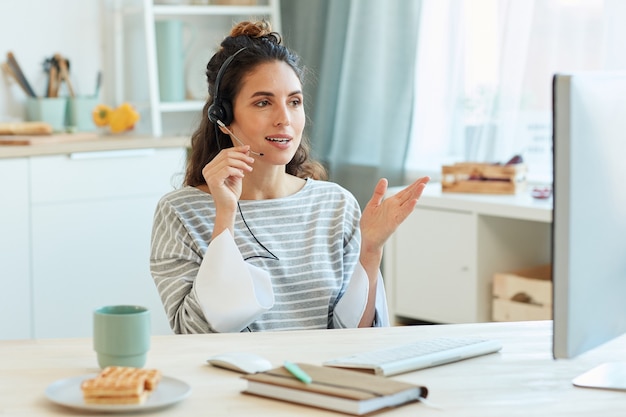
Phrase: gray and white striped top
[314,233]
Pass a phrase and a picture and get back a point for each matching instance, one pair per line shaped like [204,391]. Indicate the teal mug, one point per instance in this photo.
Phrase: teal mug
[121,335]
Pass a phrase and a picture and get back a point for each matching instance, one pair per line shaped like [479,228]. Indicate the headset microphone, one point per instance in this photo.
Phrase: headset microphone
[230,132]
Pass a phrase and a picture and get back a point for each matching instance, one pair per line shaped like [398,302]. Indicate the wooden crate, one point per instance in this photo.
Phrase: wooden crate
[470,177]
[524,294]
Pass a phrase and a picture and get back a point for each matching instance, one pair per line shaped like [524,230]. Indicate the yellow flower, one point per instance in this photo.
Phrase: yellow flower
[101,115]
[123,118]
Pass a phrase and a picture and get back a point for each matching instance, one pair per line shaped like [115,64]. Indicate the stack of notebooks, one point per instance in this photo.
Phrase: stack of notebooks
[342,390]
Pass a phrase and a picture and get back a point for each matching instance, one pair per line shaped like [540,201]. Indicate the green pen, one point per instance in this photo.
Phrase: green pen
[296,371]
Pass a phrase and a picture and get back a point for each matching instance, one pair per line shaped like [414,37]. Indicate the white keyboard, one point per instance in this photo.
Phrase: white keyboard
[417,355]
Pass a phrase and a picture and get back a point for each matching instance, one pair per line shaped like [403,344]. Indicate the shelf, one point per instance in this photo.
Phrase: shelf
[144,14]
[191,10]
[180,106]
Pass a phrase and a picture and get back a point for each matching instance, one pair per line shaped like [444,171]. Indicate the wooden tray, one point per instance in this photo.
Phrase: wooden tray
[47,139]
[469,177]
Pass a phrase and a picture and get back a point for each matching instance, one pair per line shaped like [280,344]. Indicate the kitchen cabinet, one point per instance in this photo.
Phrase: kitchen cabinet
[15,284]
[75,234]
[137,48]
[439,264]
[436,260]
[91,227]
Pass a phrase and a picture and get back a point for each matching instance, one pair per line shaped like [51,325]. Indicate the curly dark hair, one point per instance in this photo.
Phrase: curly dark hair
[261,45]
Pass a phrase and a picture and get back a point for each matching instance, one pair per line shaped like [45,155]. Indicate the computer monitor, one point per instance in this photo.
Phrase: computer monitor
[589,217]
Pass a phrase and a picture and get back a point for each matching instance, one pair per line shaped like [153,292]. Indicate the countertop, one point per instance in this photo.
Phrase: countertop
[521,380]
[520,206]
[103,143]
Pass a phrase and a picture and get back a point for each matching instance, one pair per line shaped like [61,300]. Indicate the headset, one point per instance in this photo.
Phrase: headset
[222,110]
[221,113]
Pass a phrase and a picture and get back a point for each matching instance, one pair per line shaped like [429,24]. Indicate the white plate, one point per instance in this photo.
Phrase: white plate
[67,392]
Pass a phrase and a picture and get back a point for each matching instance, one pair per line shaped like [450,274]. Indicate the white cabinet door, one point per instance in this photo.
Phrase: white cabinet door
[434,260]
[91,228]
[89,254]
[15,301]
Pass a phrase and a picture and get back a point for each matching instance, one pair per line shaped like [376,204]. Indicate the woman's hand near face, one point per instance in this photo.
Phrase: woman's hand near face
[224,176]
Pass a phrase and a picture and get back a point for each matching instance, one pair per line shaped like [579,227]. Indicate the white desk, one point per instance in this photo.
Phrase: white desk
[521,380]
[439,265]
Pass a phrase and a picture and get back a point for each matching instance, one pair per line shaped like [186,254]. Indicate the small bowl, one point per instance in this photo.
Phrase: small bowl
[541,192]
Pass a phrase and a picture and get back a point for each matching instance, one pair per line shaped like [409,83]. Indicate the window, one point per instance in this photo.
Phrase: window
[484,74]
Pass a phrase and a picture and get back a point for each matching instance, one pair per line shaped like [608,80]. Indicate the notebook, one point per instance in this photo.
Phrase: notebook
[342,390]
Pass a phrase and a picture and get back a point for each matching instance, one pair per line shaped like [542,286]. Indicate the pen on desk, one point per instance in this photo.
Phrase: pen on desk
[296,371]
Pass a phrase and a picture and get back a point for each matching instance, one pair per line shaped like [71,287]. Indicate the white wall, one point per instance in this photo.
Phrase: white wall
[36,29]
[83,31]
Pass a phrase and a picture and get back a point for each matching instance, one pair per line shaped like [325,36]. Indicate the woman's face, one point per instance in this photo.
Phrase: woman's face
[269,113]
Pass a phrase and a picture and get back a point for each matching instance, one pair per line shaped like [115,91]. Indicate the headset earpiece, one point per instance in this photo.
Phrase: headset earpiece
[222,110]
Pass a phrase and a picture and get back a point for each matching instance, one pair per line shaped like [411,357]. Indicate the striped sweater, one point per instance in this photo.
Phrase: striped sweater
[314,233]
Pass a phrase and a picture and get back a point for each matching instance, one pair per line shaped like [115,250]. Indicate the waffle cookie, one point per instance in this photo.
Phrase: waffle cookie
[120,385]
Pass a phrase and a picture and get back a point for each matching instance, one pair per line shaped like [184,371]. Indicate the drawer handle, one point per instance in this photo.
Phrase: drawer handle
[113,154]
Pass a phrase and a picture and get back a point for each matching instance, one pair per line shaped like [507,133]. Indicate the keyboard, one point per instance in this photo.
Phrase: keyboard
[417,355]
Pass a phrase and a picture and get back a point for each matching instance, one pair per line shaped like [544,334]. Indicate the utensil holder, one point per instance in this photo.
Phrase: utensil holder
[49,110]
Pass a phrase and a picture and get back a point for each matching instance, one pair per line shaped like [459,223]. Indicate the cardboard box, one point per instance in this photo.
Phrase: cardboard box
[470,177]
[522,295]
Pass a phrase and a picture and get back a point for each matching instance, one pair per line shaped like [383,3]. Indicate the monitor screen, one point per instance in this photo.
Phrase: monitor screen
[589,218]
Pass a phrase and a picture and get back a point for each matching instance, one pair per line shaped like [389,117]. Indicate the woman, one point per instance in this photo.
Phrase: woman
[256,239]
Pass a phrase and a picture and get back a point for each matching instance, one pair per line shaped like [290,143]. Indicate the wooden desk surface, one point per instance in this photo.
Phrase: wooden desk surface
[521,380]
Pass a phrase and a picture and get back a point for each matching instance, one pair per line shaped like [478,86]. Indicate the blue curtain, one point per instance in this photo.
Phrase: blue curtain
[361,54]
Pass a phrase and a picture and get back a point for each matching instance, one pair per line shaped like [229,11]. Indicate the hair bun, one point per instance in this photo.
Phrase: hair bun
[252,29]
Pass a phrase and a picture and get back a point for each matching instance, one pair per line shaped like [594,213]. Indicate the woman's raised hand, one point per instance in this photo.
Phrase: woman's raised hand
[381,217]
